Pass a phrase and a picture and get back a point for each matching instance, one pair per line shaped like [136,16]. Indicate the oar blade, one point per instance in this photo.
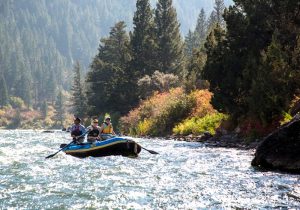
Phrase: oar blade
[153,152]
[150,151]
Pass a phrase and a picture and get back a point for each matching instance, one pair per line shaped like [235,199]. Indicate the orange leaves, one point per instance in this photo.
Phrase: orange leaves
[159,114]
[203,105]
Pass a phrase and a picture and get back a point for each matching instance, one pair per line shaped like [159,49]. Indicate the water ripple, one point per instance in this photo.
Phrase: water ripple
[183,176]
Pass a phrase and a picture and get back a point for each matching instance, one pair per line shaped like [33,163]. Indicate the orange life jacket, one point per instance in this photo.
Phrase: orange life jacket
[108,129]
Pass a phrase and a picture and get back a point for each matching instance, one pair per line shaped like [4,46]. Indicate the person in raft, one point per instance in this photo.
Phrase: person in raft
[94,131]
[77,130]
[106,129]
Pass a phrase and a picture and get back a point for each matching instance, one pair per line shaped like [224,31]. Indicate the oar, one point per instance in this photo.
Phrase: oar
[50,156]
[151,151]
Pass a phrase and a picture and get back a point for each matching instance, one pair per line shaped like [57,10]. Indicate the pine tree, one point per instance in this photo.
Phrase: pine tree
[78,98]
[111,83]
[115,48]
[273,85]
[212,21]
[98,87]
[142,40]
[4,99]
[219,9]
[189,44]
[214,72]
[59,110]
[253,68]
[201,29]
[195,67]
[44,109]
[51,86]
[23,88]
[170,47]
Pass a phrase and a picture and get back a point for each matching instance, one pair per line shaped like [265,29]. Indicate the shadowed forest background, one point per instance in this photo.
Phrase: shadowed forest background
[157,67]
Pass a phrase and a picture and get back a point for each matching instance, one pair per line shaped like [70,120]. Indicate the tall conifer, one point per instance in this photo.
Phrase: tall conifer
[170,47]
[4,100]
[110,81]
[201,29]
[59,109]
[78,98]
[51,86]
[23,88]
[219,11]
[142,39]
[44,109]
[212,21]
[189,44]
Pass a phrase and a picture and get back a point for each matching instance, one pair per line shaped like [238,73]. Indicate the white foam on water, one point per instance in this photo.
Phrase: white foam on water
[182,176]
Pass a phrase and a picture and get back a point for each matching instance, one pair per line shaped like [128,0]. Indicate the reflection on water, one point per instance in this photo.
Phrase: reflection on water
[183,176]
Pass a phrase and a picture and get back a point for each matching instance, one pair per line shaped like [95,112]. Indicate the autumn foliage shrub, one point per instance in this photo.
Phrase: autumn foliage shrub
[203,105]
[173,111]
[199,125]
[158,114]
[203,117]
[25,118]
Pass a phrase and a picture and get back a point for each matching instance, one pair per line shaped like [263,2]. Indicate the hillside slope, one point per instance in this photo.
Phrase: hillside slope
[41,40]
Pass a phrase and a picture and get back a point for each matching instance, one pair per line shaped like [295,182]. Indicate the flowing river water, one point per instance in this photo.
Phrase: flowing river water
[183,176]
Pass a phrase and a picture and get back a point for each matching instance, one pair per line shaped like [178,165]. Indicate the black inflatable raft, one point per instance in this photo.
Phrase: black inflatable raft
[113,146]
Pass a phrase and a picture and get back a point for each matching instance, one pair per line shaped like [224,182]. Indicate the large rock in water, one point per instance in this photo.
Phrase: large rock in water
[281,149]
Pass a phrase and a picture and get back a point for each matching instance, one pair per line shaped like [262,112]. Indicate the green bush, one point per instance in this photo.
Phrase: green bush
[174,113]
[16,102]
[286,117]
[198,125]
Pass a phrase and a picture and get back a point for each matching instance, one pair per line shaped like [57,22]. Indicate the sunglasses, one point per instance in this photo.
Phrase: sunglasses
[95,122]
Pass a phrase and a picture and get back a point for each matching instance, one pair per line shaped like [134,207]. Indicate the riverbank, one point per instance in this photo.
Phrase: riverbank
[224,141]
[280,150]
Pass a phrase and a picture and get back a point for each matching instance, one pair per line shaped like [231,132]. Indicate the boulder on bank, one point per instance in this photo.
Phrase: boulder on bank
[281,149]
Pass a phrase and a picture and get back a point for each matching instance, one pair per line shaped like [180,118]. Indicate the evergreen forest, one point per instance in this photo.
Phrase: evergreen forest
[157,67]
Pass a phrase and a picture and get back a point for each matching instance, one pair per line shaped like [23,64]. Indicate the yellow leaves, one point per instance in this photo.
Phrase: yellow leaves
[145,126]
[160,113]
[199,125]
[2,112]
[286,117]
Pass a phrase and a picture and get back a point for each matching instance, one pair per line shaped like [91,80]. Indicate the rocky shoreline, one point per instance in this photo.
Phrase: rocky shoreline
[280,150]
[224,141]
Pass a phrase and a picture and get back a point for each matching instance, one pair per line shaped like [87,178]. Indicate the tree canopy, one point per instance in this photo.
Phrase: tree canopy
[253,66]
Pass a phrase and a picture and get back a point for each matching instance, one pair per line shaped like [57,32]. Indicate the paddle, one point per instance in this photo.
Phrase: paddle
[50,156]
[151,151]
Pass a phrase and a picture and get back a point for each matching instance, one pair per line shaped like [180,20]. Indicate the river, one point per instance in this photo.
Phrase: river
[183,176]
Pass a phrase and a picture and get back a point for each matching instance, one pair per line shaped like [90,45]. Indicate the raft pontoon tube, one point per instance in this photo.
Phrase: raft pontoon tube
[113,146]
